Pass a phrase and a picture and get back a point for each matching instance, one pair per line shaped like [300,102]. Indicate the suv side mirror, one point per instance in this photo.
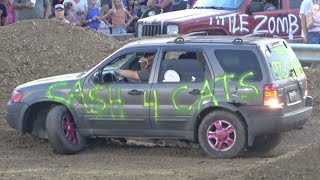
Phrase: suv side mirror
[255,7]
[97,77]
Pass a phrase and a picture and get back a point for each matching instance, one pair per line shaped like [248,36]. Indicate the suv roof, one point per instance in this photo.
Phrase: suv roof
[248,40]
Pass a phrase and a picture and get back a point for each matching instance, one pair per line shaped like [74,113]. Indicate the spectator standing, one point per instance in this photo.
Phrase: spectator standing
[79,7]
[305,8]
[91,16]
[53,3]
[26,10]
[69,14]
[59,13]
[3,14]
[141,6]
[313,25]
[166,5]
[132,10]
[118,16]
[11,14]
[106,5]
[190,3]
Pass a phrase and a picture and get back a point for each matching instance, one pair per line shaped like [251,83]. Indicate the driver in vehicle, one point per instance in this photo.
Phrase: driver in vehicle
[143,74]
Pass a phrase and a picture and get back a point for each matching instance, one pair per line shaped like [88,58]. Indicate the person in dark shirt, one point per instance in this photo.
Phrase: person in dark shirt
[3,14]
[142,75]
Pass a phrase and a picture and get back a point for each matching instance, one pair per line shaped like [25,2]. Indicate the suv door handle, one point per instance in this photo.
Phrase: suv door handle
[195,92]
[135,92]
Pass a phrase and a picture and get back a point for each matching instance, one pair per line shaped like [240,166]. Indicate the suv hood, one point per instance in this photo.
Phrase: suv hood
[188,14]
[53,79]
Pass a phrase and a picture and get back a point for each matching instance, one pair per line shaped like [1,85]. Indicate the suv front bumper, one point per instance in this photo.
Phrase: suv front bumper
[15,113]
[262,120]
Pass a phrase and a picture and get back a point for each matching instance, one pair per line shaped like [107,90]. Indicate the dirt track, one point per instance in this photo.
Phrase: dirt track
[25,157]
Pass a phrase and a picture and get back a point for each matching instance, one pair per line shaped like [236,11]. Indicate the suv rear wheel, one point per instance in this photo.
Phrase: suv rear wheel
[222,134]
[62,131]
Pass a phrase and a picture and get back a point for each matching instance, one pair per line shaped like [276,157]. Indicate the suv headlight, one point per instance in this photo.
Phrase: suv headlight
[140,30]
[172,29]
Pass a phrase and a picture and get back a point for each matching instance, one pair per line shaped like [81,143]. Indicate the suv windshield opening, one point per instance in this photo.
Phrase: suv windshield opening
[218,4]
[283,61]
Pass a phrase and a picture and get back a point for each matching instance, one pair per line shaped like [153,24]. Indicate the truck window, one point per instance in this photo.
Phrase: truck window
[295,4]
[218,4]
[240,63]
[282,61]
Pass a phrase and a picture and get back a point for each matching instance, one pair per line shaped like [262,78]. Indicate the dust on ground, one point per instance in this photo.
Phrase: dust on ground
[42,48]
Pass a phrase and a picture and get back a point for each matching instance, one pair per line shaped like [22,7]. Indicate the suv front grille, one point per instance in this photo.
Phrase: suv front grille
[152,30]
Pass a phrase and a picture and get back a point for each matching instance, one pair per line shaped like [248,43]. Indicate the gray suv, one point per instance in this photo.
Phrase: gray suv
[229,94]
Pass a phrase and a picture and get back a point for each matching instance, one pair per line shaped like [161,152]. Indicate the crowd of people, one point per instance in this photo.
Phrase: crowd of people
[106,16]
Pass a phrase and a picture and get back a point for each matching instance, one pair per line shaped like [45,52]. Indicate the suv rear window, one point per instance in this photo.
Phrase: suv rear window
[239,63]
[283,61]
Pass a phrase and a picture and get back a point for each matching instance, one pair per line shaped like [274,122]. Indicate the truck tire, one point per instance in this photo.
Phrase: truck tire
[62,131]
[222,134]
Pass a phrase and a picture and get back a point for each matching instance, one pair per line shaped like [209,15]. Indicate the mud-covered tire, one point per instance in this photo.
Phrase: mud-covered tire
[222,134]
[264,144]
[62,131]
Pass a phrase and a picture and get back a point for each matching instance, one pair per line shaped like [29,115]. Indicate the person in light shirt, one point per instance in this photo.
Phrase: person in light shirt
[305,8]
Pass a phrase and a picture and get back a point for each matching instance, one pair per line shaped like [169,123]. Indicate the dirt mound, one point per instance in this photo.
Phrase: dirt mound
[314,86]
[41,48]
[303,163]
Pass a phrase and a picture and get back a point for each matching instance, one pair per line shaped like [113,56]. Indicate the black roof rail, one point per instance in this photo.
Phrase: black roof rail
[237,41]
[179,40]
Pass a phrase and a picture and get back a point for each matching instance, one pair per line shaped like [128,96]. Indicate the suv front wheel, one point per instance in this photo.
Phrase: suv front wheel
[62,131]
[222,134]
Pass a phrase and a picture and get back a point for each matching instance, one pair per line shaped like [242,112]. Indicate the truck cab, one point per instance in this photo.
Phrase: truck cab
[228,17]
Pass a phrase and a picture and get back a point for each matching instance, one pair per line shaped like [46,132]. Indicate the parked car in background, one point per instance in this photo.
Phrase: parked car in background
[228,17]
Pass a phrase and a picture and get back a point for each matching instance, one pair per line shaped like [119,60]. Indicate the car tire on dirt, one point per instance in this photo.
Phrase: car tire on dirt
[264,144]
[62,131]
[222,134]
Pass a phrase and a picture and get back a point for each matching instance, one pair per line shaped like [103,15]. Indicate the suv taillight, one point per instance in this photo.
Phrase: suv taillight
[16,96]
[270,96]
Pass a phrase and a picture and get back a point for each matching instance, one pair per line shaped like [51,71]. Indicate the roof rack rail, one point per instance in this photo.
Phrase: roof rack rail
[237,41]
[180,39]
[260,34]
[196,33]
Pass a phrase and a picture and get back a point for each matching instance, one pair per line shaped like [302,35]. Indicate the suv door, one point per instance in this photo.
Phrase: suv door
[113,106]
[274,22]
[176,93]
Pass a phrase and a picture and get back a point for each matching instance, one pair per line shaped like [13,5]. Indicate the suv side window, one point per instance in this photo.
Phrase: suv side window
[240,63]
[183,66]
[295,4]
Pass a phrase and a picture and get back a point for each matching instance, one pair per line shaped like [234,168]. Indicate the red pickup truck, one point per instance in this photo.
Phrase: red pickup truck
[228,17]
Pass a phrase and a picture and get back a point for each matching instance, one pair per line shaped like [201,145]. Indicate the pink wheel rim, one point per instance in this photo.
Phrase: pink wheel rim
[221,135]
[69,128]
